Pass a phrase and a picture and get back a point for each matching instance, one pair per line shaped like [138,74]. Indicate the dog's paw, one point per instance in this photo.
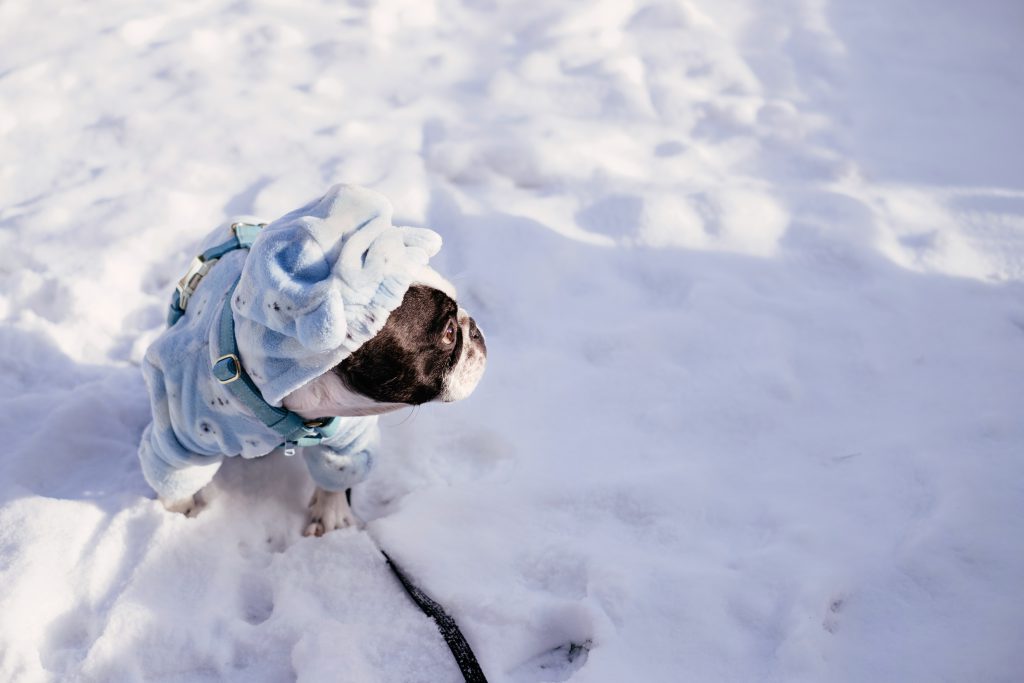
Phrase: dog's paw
[328,510]
[190,507]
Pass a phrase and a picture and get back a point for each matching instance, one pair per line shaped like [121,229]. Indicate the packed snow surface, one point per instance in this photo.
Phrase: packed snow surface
[750,274]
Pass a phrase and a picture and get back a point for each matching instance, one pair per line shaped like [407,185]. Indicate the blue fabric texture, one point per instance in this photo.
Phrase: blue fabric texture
[315,285]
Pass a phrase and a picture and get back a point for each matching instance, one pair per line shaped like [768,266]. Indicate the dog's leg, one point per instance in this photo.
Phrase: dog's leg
[328,510]
[189,506]
[177,476]
[333,472]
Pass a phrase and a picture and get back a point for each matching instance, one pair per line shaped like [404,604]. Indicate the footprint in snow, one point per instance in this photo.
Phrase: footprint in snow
[257,599]
[556,664]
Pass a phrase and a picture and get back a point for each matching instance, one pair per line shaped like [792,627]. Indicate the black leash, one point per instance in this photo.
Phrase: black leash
[463,653]
[461,650]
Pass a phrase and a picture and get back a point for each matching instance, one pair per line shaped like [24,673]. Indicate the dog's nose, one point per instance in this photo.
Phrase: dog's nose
[476,337]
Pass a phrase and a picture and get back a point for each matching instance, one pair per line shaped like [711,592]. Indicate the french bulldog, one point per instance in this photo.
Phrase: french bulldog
[335,314]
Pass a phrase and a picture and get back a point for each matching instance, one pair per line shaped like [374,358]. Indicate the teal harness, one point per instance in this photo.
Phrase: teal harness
[295,430]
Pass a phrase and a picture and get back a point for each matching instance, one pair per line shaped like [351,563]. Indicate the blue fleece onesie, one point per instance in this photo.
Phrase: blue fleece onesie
[315,285]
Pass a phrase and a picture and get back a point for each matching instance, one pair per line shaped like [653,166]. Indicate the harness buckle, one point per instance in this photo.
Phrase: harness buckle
[241,224]
[188,284]
[227,368]
[245,233]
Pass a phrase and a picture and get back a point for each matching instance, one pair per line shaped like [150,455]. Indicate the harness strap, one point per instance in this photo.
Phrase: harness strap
[295,430]
[242,237]
[227,368]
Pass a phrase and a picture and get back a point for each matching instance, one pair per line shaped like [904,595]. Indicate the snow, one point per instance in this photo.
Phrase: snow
[750,275]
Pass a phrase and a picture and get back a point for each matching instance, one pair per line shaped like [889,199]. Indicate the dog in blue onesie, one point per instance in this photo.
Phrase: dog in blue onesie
[336,313]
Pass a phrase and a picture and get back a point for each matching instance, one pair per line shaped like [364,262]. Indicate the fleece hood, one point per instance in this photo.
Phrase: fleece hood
[320,281]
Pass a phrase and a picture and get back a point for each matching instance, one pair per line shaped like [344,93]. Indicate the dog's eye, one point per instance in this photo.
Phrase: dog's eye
[449,334]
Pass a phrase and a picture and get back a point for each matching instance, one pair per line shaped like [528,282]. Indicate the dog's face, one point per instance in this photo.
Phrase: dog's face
[428,350]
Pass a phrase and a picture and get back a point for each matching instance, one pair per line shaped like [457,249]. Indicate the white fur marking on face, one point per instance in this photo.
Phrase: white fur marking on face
[327,396]
[462,380]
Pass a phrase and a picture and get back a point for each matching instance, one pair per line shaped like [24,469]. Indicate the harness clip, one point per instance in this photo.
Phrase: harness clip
[187,285]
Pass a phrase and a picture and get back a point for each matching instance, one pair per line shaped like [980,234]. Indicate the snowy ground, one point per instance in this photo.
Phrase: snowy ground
[751,278]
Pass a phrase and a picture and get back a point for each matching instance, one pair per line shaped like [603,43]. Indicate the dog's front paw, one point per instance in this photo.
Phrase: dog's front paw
[190,507]
[328,510]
